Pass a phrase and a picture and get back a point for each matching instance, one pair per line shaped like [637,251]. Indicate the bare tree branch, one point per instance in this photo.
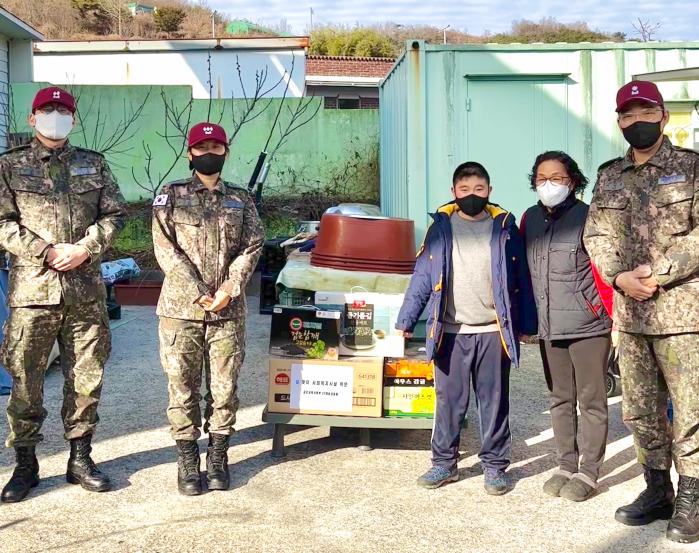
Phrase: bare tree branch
[176,123]
[211,86]
[300,116]
[255,105]
[125,130]
[148,185]
[646,29]
[281,103]
[92,124]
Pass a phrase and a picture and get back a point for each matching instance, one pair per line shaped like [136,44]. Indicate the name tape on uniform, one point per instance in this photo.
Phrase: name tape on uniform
[672,179]
[160,200]
[613,186]
[30,172]
[83,171]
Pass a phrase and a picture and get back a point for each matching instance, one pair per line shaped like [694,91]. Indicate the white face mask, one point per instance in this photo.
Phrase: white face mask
[552,194]
[54,125]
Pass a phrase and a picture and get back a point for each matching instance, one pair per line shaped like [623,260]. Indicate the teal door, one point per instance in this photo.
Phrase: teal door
[509,122]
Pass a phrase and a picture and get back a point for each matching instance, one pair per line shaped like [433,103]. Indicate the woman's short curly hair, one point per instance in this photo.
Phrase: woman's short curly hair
[576,175]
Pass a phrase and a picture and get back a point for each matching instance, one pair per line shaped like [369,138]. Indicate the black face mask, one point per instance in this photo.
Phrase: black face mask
[208,164]
[642,135]
[472,204]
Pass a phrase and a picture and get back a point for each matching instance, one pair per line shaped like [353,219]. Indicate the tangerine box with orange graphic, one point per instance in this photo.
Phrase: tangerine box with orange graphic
[305,333]
[409,368]
[409,385]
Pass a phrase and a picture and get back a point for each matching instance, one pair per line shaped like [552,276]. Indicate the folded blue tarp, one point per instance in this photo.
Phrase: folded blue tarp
[5,379]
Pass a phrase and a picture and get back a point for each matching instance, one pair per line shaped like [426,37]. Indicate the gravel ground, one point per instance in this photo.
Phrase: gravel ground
[325,496]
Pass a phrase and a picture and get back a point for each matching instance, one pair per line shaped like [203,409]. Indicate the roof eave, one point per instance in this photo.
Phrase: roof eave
[102,46]
[331,80]
[24,31]
[682,74]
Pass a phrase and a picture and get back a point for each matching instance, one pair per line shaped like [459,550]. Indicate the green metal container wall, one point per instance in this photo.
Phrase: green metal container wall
[504,104]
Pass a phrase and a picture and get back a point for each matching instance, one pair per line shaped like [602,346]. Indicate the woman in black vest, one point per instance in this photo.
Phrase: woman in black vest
[574,327]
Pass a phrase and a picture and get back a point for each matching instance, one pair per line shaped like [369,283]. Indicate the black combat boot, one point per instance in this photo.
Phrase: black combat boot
[188,476]
[25,476]
[684,526]
[655,502]
[217,475]
[83,470]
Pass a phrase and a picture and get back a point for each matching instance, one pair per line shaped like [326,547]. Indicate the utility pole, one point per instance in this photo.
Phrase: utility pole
[444,32]
[311,20]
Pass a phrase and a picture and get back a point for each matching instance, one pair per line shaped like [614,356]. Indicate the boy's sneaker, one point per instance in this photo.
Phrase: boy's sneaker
[438,476]
[495,481]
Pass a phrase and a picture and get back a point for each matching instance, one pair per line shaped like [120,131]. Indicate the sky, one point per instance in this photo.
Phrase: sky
[679,19]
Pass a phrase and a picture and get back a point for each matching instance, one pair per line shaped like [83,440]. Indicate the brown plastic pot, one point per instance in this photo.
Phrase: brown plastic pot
[143,292]
[381,240]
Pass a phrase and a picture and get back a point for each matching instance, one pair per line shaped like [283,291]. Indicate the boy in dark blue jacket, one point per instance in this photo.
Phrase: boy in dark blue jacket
[471,274]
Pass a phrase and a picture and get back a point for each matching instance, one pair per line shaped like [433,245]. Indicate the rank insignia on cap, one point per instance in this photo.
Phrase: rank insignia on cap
[634,90]
[208,130]
[56,94]
[160,200]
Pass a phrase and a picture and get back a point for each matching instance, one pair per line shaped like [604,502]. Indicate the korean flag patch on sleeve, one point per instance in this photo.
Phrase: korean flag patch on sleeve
[160,200]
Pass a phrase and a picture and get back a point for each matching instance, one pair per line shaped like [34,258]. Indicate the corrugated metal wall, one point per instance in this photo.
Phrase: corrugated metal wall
[393,143]
[4,92]
[503,104]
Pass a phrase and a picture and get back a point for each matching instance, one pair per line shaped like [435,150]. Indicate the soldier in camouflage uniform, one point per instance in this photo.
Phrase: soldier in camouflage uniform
[60,208]
[207,237]
[643,234]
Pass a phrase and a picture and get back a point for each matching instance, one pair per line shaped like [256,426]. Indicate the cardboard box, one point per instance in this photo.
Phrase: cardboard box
[409,368]
[409,397]
[368,323]
[409,385]
[305,332]
[352,387]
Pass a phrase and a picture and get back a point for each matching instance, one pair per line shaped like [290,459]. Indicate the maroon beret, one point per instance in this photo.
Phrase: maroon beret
[53,95]
[638,90]
[206,131]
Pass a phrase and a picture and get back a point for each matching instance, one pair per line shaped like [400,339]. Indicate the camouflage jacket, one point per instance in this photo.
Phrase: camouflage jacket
[205,241]
[56,196]
[649,214]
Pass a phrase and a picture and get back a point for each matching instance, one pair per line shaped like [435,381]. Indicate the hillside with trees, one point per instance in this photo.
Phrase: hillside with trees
[389,39]
[101,19]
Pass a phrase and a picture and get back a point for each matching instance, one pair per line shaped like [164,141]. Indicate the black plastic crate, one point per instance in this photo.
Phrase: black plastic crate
[268,294]
[273,257]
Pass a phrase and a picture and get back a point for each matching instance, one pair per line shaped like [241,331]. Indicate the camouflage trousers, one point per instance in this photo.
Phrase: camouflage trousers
[652,366]
[189,349]
[84,341]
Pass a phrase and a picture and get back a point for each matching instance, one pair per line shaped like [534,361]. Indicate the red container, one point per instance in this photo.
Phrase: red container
[363,261]
[360,264]
[368,268]
[365,238]
[144,292]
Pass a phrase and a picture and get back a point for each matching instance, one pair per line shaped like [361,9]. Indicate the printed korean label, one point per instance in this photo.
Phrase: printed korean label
[322,387]
[358,328]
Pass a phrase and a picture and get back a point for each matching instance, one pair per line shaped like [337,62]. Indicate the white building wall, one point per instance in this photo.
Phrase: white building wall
[21,61]
[177,68]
